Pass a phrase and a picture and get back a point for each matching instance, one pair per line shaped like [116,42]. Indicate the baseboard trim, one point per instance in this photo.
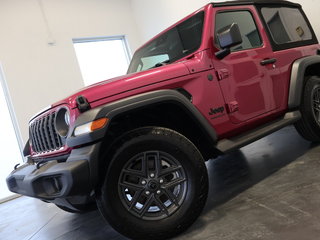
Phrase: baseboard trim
[11,197]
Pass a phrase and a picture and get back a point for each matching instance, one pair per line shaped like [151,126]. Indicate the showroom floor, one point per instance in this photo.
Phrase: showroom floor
[268,190]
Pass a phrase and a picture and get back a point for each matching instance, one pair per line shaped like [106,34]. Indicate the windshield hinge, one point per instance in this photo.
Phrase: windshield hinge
[82,103]
[222,74]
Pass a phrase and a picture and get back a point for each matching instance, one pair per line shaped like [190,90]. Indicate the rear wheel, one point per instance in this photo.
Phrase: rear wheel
[156,185]
[309,125]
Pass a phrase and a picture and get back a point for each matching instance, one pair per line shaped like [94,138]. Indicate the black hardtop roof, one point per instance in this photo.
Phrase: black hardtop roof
[256,2]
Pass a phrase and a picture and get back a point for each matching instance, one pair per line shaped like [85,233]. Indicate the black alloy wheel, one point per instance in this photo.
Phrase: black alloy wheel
[152,185]
[156,184]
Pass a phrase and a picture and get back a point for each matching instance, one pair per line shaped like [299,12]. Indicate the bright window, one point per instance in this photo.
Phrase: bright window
[9,147]
[101,58]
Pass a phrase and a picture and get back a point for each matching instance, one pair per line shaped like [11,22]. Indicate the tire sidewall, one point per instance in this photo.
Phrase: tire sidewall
[177,146]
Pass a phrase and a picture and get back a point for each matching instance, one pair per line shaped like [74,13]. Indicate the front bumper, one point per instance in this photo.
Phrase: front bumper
[54,179]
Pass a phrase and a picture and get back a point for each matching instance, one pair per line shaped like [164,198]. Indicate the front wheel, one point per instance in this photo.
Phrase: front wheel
[156,184]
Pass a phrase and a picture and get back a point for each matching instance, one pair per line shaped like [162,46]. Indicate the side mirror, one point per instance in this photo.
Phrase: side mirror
[228,37]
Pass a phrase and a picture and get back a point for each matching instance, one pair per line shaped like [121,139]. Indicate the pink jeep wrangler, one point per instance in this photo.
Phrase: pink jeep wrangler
[221,78]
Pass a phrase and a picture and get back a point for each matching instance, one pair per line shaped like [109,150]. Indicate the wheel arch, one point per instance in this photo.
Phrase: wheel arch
[301,68]
[163,108]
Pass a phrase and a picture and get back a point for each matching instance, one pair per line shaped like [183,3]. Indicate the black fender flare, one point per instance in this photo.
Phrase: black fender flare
[298,70]
[113,109]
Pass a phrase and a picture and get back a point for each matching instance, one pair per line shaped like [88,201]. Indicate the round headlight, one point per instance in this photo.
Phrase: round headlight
[62,122]
[67,118]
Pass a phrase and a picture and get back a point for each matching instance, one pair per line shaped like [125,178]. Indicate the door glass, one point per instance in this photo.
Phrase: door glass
[248,28]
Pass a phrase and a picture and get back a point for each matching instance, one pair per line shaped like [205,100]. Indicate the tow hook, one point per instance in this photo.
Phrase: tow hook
[16,166]
[40,163]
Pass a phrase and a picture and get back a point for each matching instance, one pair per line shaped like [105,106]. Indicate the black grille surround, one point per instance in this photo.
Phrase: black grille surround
[43,135]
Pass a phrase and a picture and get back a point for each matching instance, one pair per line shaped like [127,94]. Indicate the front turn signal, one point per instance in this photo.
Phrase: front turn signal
[97,124]
[91,126]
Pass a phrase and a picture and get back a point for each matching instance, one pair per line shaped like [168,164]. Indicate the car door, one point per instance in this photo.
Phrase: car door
[248,77]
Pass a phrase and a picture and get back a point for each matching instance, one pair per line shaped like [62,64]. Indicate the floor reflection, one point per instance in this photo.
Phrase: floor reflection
[235,172]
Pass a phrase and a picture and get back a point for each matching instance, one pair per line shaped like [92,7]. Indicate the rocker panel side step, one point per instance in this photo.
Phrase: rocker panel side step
[228,145]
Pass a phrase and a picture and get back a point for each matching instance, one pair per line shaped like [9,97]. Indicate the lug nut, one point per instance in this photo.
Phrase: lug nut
[143,182]
[158,192]
[147,192]
[152,175]
[161,181]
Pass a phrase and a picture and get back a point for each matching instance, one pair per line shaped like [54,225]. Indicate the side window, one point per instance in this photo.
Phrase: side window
[248,29]
[286,25]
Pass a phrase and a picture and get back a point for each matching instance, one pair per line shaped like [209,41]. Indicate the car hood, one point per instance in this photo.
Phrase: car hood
[127,83]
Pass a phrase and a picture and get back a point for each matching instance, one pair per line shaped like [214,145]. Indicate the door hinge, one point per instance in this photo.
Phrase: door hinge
[232,107]
[222,74]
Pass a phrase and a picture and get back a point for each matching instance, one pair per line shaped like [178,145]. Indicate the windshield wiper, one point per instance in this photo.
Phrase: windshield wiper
[160,64]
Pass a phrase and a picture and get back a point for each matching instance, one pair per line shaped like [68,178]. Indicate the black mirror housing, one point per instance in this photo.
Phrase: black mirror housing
[229,36]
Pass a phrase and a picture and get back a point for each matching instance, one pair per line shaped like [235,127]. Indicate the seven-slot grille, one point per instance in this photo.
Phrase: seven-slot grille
[43,134]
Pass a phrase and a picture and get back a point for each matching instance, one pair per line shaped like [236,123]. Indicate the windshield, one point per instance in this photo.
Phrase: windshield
[172,45]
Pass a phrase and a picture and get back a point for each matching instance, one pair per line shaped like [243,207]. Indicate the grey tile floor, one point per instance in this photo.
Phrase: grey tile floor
[269,190]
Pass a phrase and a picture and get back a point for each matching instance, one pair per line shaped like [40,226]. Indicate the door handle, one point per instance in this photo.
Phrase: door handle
[268,61]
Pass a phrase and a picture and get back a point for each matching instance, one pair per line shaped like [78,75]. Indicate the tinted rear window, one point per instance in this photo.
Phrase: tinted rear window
[286,25]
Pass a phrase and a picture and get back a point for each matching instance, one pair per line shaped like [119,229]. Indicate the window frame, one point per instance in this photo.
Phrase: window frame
[254,21]
[278,46]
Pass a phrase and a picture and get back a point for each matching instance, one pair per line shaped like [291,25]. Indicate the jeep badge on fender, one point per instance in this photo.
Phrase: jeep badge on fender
[214,111]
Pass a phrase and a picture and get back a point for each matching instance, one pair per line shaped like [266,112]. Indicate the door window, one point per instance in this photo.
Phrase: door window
[248,29]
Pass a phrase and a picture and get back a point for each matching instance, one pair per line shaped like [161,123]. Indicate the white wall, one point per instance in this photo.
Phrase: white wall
[153,16]
[311,8]
[38,73]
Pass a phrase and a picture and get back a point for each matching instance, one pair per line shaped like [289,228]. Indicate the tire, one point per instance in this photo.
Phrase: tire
[144,198]
[309,125]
